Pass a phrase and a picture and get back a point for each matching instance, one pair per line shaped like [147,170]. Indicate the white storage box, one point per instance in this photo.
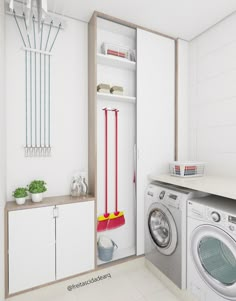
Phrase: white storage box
[187,169]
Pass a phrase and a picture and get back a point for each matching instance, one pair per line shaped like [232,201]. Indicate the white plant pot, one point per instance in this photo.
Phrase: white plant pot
[37,197]
[20,201]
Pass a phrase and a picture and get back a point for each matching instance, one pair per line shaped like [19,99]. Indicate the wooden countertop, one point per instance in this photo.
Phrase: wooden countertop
[222,186]
[49,201]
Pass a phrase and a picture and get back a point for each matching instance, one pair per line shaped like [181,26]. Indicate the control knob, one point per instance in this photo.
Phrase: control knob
[162,194]
[215,216]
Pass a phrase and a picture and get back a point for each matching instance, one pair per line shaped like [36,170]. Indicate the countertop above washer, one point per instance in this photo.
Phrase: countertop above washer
[222,186]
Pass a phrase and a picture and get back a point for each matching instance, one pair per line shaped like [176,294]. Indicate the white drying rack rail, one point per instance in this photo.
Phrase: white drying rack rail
[38,52]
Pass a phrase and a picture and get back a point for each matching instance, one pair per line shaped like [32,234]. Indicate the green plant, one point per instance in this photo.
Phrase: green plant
[20,192]
[37,186]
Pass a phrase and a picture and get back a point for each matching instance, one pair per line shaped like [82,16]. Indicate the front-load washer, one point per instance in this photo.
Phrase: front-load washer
[165,229]
[211,250]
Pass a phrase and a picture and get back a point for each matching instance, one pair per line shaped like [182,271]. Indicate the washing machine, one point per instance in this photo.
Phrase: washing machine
[165,229]
[211,250]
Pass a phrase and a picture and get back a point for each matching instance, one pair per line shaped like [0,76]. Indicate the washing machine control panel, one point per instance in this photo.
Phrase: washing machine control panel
[162,194]
[173,200]
[232,219]
[215,216]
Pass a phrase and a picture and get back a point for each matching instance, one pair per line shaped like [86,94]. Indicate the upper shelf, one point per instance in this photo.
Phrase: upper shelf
[113,97]
[116,62]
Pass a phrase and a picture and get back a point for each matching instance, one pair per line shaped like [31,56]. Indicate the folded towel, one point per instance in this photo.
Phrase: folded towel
[117,93]
[117,90]
[103,88]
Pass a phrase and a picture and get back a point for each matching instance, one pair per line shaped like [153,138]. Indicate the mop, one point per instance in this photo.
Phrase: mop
[117,218]
[104,219]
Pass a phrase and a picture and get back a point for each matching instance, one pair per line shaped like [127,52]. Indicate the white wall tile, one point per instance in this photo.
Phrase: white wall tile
[212,108]
[219,35]
[183,99]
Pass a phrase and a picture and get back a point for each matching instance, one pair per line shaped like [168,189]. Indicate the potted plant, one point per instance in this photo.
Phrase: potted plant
[20,194]
[37,188]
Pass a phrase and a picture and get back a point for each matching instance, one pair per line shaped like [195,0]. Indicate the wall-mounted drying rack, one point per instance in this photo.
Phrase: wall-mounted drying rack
[38,51]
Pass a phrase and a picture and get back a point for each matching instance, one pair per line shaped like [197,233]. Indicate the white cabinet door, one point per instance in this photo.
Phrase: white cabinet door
[155,114]
[75,239]
[31,244]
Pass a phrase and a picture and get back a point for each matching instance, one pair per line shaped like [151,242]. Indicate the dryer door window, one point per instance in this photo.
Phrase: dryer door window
[162,228]
[218,260]
[214,252]
[159,228]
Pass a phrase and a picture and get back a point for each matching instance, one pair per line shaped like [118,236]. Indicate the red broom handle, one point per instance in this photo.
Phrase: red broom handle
[116,118]
[106,161]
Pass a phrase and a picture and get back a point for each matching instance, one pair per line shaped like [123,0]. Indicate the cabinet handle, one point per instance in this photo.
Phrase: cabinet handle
[55,212]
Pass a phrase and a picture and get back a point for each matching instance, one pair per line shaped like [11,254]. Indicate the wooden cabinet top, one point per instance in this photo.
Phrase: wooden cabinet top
[49,201]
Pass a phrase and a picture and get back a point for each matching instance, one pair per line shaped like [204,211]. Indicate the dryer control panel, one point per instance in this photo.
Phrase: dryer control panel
[214,216]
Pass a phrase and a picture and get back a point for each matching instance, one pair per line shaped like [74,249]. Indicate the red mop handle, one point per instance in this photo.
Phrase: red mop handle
[106,161]
[116,120]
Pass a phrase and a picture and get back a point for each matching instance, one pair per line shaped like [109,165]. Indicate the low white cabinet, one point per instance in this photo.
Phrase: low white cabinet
[74,239]
[31,238]
[49,243]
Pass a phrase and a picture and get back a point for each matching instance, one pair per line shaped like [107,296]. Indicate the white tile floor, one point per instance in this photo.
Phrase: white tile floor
[129,281]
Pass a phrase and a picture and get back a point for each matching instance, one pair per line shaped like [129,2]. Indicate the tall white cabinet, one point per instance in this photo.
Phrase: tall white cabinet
[148,120]
[155,114]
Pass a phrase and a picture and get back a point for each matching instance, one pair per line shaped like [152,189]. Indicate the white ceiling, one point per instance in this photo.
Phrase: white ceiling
[178,18]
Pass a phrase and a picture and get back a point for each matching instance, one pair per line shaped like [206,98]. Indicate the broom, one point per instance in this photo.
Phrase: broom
[104,219]
[117,218]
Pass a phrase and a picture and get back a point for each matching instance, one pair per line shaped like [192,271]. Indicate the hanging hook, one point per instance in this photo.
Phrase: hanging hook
[59,27]
[48,35]
[26,28]
[14,14]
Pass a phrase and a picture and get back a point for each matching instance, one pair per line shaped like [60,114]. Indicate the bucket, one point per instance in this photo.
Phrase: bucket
[106,248]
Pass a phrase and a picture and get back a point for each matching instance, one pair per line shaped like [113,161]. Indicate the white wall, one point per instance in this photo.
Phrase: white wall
[2,146]
[183,99]
[213,98]
[68,111]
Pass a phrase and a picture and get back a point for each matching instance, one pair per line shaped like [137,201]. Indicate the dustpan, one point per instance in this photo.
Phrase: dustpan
[117,218]
[102,221]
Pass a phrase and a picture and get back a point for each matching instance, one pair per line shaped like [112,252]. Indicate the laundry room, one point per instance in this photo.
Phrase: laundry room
[117,150]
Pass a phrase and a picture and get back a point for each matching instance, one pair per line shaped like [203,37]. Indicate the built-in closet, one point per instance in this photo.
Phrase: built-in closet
[146,127]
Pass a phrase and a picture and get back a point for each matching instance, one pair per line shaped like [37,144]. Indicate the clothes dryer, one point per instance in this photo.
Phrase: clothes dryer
[211,251]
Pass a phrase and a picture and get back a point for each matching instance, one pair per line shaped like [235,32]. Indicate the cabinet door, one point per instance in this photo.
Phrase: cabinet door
[155,114]
[31,243]
[75,239]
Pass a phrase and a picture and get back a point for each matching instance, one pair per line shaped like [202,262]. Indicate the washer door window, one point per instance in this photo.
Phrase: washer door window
[162,228]
[214,254]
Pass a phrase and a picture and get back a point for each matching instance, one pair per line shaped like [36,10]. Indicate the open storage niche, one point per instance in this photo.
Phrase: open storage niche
[115,71]
[146,119]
